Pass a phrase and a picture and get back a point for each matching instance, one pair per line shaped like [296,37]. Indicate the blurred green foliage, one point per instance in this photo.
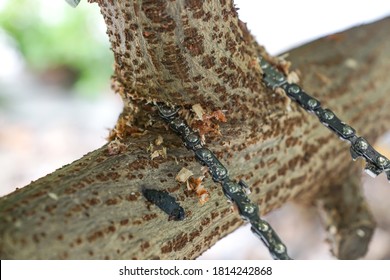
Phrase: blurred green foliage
[51,34]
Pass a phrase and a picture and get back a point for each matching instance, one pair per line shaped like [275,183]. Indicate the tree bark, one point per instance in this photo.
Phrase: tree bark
[198,52]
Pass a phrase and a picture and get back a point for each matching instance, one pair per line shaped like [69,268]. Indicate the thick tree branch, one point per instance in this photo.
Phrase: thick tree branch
[93,208]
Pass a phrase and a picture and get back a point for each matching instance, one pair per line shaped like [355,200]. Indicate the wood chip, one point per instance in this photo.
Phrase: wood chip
[198,110]
[157,153]
[351,63]
[116,147]
[52,196]
[159,140]
[195,184]
[204,198]
[293,77]
[183,175]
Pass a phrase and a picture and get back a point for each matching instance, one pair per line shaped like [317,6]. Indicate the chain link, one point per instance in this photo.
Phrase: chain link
[234,191]
[375,162]
[73,3]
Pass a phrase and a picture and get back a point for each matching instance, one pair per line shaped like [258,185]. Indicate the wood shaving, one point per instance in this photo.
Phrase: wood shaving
[282,64]
[125,127]
[53,196]
[234,208]
[150,148]
[203,198]
[183,175]
[293,77]
[218,115]
[196,185]
[204,170]
[209,123]
[116,147]
[198,110]
[159,140]
[193,184]
[157,153]
[351,63]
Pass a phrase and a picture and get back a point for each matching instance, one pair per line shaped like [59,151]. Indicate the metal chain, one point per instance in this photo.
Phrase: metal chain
[234,191]
[375,162]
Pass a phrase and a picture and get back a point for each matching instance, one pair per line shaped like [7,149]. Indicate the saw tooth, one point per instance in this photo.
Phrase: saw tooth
[372,170]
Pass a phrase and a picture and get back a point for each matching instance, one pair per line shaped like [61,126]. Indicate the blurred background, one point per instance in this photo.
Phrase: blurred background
[55,68]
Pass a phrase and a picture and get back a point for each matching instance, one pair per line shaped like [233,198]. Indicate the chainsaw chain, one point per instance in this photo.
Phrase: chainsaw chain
[234,191]
[375,162]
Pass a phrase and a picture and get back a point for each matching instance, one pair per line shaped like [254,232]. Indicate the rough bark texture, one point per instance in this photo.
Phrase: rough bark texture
[188,52]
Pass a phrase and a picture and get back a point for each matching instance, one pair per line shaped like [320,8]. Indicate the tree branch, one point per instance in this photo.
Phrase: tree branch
[165,51]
